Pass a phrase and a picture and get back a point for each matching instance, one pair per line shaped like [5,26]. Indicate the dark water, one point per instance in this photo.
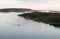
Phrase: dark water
[14,27]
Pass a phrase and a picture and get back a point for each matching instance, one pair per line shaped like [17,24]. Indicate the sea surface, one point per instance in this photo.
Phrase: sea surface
[14,27]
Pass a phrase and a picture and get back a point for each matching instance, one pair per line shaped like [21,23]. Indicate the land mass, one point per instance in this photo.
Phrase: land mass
[49,17]
[15,10]
[46,17]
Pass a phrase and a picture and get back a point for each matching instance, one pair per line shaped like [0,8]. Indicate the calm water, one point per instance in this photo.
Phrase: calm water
[14,27]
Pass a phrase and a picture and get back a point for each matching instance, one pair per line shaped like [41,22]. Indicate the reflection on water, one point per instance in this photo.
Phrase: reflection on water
[56,25]
[14,27]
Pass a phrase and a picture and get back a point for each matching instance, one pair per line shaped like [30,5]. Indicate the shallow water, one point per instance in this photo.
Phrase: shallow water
[15,27]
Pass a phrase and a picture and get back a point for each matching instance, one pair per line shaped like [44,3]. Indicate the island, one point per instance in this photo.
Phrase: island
[15,10]
[45,17]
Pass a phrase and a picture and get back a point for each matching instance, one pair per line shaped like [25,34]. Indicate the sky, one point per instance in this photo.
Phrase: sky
[33,4]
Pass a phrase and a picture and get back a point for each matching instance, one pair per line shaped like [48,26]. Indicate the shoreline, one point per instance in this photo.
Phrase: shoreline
[48,18]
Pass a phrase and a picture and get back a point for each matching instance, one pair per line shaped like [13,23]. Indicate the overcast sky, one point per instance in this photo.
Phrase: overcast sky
[33,4]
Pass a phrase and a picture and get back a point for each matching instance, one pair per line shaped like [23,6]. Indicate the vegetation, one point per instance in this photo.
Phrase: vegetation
[14,10]
[46,17]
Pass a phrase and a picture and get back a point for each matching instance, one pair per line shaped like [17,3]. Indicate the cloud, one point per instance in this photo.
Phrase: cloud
[7,1]
[41,1]
[40,4]
[34,0]
[31,5]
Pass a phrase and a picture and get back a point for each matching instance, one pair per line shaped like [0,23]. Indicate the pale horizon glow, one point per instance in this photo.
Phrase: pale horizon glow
[32,4]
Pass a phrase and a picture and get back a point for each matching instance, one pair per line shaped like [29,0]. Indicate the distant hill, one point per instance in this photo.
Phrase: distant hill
[15,10]
[26,10]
